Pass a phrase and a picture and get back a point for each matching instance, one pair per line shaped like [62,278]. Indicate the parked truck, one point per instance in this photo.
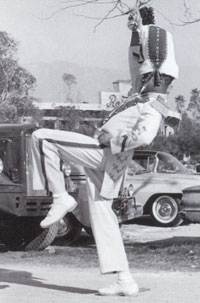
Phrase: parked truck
[22,208]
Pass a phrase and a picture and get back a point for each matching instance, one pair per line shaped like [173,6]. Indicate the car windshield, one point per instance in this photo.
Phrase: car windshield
[158,162]
[9,154]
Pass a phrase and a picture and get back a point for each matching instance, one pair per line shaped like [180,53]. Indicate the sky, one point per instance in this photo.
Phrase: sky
[68,37]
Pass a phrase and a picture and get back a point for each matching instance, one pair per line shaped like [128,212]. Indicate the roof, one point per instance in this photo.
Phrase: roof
[145,152]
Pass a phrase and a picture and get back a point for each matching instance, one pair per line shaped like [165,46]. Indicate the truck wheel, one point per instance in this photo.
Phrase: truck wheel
[69,230]
[12,241]
[165,211]
[19,234]
[44,239]
[11,234]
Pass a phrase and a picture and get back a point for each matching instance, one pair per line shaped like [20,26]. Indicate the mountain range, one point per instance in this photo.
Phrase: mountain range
[92,80]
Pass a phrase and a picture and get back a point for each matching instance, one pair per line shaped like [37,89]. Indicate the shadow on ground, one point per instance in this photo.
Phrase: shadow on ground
[174,241]
[143,220]
[26,278]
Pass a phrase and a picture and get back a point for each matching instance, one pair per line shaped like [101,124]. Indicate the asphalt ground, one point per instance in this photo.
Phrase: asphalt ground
[59,275]
[53,284]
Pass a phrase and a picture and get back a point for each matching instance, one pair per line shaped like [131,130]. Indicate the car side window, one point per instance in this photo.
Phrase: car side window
[166,165]
[141,165]
[134,167]
[147,164]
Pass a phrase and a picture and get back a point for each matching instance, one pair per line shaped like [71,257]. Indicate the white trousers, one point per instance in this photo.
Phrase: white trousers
[141,124]
[51,145]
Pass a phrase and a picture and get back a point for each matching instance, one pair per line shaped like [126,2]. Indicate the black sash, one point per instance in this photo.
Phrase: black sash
[157,50]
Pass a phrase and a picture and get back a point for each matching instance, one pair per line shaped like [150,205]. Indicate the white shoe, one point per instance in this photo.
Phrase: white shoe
[120,289]
[59,208]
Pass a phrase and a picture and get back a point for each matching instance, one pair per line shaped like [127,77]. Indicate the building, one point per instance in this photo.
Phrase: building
[107,102]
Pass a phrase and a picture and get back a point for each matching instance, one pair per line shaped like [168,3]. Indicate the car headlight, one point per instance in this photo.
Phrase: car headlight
[66,167]
[131,189]
[1,166]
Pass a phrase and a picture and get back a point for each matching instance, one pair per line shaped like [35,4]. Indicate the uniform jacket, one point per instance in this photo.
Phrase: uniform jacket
[151,48]
[135,126]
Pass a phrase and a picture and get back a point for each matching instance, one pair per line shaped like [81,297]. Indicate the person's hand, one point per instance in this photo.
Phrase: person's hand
[104,139]
[133,20]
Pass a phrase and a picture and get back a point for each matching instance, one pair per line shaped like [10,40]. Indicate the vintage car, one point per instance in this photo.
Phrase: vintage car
[153,184]
[190,204]
[157,181]
[22,208]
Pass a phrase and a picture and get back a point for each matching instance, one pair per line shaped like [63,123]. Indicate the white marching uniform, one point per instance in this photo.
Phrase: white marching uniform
[104,173]
[134,126]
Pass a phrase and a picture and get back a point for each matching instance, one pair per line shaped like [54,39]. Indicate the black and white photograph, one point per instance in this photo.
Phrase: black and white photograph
[99,151]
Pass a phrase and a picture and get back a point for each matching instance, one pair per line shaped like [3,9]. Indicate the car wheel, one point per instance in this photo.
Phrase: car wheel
[69,230]
[165,211]
[66,232]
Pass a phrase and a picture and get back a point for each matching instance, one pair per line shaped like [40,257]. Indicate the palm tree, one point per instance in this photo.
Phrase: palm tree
[194,104]
[180,103]
[69,80]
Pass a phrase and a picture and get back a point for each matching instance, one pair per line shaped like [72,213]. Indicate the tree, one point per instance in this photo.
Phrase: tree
[185,137]
[193,109]
[118,8]
[113,8]
[191,13]
[167,144]
[185,142]
[15,83]
[76,120]
[69,79]
[180,103]
[71,94]
[70,118]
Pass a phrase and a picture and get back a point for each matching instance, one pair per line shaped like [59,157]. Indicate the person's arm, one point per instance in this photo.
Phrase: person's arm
[135,51]
[134,20]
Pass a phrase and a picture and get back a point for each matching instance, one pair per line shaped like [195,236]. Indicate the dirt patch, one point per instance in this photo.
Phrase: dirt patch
[148,248]
[164,262]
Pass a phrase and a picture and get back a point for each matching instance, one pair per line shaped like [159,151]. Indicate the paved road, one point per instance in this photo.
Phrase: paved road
[28,280]
[27,284]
